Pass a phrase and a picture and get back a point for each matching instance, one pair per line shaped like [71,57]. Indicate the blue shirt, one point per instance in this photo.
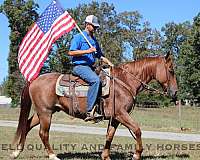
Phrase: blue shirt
[79,43]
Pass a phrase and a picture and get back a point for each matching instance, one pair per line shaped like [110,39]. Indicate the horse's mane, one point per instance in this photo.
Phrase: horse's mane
[145,65]
[142,62]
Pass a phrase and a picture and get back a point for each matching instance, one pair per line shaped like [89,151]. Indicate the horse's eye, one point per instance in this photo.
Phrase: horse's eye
[171,71]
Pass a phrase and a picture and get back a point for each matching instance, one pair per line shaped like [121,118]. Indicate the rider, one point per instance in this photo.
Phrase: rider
[83,58]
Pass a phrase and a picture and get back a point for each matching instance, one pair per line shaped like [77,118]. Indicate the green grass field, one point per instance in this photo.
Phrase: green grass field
[155,119]
[77,146]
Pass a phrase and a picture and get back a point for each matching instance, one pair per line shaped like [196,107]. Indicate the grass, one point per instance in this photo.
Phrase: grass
[157,119]
[80,146]
[169,119]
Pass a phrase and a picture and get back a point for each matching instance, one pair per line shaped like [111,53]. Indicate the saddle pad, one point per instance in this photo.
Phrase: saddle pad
[80,91]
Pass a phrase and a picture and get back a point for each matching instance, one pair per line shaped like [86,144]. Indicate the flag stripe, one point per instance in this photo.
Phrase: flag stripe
[26,38]
[36,36]
[35,73]
[30,49]
[33,51]
[40,56]
[35,42]
[42,44]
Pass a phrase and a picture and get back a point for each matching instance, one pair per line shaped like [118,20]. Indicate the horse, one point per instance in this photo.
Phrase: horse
[128,79]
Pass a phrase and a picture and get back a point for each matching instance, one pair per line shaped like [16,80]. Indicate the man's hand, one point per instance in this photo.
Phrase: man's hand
[92,49]
[104,59]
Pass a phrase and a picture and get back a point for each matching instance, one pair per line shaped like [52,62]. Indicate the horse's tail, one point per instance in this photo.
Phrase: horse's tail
[24,114]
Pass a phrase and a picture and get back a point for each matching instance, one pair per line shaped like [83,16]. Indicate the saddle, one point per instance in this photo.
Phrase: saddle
[73,87]
[68,79]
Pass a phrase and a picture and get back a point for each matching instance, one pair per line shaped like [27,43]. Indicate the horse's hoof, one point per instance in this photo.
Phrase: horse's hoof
[105,154]
[53,157]
[105,158]
[136,157]
[15,154]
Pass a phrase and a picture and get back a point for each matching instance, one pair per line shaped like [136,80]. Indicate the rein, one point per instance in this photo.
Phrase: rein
[113,78]
[146,86]
[120,81]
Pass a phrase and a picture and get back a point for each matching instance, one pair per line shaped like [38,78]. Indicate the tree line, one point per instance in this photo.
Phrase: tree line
[123,37]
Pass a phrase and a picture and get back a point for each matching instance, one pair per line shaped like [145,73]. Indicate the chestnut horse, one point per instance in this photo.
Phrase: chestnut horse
[129,79]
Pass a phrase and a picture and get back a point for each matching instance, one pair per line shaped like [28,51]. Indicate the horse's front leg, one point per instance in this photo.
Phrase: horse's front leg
[127,121]
[109,137]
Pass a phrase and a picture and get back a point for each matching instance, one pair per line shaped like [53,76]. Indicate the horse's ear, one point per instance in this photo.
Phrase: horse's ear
[168,56]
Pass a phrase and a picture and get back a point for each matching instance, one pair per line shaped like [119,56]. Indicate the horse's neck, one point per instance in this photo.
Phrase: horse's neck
[140,72]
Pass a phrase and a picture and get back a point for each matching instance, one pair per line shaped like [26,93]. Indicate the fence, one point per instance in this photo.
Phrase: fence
[176,118]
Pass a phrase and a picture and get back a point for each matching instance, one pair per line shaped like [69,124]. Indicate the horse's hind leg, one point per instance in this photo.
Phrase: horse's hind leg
[109,137]
[127,121]
[45,121]
[32,122]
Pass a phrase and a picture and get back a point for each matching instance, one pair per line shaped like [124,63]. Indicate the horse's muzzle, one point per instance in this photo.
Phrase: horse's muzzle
[174,97]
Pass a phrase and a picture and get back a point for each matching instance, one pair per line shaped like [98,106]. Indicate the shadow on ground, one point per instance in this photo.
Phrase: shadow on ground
[117,156]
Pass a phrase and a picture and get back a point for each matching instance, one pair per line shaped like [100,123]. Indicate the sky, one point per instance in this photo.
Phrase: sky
[157,12]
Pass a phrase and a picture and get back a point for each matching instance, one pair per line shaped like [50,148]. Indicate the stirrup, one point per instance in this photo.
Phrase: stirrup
[89,117]
[93,116]
[96,118]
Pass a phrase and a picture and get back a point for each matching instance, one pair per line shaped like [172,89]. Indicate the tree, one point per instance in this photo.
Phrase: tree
[189,61]
[110,36]
[115,32]
[21,14]
[178,39]
[139,36]
[175,35]
[122,36]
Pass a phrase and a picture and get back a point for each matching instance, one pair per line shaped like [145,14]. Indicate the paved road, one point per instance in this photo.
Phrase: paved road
[120,132]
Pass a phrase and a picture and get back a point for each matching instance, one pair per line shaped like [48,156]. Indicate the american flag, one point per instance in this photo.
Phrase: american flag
[33,51]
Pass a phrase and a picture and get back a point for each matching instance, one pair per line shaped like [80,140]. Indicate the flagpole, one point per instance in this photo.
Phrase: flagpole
[82,34]
[103,58]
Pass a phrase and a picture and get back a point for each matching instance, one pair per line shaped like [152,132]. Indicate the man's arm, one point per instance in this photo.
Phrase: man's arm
[81,52]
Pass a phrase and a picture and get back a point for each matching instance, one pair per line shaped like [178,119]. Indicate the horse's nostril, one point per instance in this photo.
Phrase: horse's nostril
[174,96]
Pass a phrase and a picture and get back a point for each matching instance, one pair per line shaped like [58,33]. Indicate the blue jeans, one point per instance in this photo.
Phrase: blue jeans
[88,75]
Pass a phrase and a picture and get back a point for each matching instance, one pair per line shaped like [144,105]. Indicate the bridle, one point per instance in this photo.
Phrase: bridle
[146,86]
